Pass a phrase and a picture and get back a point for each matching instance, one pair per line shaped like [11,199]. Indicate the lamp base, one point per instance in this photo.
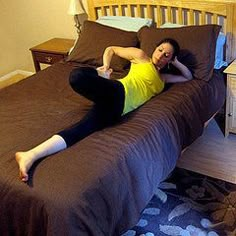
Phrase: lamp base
[77,24]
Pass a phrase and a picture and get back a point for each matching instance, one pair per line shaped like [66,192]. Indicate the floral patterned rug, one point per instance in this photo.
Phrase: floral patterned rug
[189,204]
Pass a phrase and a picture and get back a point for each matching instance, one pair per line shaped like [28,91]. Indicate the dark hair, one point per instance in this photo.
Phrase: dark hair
[173,43]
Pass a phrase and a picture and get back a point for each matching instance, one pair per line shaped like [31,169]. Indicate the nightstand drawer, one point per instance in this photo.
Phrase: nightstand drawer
[47,58]
[232,85]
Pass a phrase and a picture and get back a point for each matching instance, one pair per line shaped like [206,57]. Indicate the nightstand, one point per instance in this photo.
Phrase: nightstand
[51,51]
[230,114]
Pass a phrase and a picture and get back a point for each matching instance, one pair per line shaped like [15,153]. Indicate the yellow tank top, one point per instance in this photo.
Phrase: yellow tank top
[141,84]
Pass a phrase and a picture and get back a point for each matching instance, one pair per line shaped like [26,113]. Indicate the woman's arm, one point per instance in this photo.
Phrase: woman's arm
[185,73]
[134,55]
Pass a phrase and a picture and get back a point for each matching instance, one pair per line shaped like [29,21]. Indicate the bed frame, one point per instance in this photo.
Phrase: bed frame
[185,12]
[193,12]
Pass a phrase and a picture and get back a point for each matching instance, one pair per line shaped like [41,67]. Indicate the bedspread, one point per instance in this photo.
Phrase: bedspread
[100,185]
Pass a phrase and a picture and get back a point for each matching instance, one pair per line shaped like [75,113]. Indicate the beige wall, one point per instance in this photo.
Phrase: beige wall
[26,23]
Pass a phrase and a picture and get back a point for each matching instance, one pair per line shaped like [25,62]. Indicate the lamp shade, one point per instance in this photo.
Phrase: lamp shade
[75,7]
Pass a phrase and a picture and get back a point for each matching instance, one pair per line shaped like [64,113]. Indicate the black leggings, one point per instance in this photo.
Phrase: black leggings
[108,97]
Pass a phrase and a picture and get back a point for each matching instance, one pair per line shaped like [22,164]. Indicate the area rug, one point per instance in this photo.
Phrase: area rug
[189,204]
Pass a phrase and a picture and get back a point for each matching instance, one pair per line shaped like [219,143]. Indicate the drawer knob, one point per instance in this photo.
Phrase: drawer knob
[230,114]
[48,59]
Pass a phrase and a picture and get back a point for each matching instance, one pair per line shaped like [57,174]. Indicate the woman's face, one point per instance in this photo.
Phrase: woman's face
[162,55]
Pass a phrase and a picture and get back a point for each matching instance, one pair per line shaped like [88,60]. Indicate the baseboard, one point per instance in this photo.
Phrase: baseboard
[14,77]
[13,73]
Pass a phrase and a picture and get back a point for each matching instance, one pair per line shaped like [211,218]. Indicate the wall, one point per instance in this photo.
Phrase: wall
[26,23]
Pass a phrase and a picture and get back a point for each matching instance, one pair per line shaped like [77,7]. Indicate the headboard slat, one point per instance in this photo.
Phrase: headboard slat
[120,10]
[111,10]
[203,18]
[169,14]
[191,17]
[139,11]
[103,11]
[129,13]
[180,15]
[149,10]
[215,19]
[159,17]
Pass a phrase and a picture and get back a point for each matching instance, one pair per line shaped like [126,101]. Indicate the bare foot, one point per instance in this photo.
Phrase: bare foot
[25,161]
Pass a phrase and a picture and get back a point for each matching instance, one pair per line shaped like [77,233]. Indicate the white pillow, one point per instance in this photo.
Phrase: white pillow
[219,54]
[125,22]
[171,25]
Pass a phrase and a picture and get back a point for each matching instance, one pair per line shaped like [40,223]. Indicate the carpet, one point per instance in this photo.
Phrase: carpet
[189,204]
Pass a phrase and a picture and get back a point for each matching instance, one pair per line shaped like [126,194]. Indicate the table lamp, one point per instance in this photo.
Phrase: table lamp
[76,8]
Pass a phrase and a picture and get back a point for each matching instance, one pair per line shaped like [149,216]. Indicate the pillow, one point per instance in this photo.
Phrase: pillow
[197,45]
[94,39]
[219,54]
[125,22]
[171,25]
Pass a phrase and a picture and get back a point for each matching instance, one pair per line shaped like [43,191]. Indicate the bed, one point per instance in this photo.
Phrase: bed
[100,185]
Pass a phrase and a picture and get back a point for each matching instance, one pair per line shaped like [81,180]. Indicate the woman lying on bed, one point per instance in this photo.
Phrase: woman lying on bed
[112,98]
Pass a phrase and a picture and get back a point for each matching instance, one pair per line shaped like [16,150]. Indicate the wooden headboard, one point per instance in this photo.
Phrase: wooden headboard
[193,12]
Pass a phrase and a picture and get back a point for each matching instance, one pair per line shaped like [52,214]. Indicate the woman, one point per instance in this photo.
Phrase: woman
[112,98]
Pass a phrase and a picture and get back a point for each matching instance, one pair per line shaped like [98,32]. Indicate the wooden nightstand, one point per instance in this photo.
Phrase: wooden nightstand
[51,51]
[230,114]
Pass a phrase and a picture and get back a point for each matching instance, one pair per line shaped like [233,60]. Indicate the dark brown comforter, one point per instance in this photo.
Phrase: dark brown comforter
[100,185]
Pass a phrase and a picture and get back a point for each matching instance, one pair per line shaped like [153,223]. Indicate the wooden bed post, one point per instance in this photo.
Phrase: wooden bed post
[91,10]
[233,29]
[231,32]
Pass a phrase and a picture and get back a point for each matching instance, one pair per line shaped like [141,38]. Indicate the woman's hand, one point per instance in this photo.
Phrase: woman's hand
[104,71]
[186,73]
[175,62]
